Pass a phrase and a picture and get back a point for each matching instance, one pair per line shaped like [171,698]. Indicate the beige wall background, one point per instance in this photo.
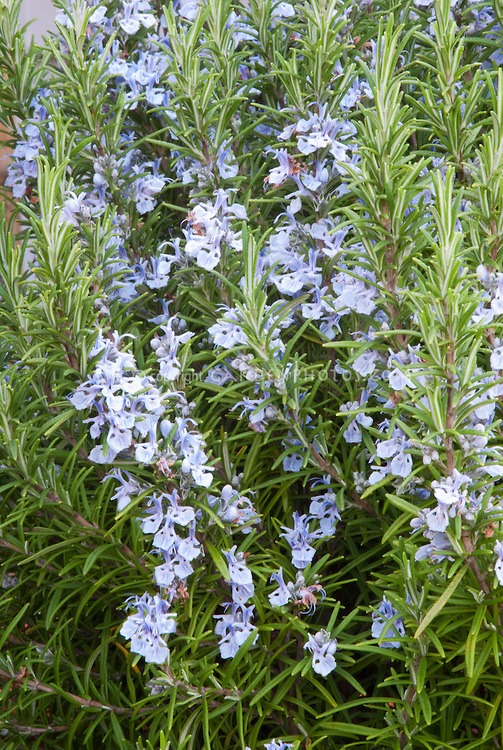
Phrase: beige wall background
[43,11]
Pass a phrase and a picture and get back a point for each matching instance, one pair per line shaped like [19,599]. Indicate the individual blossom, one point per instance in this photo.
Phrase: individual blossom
[209,228]
[176,568]
[498,565]
[298,538]
[448,491]
[155,514]
[286,167]
[300,272]
[173,570]
[227,332]
[160,520]
[219,375]
[82,208]
[235,628]
[386,619]
[294,459]
[451,501]
[128,489]
[356,291]
[235,509]
[323,648]
[392,450]
[284,593]
[324,509]
[397,362]
[187,445]
[238,572]
[356,91]
[299,592]
[140,74]
[242,593]
[153,272]
[145,186]
[320,132]
[166,347]
[261,412]
[439,544]
[187,9]
[282,10]
[353,433]
[136,14]
[365,363]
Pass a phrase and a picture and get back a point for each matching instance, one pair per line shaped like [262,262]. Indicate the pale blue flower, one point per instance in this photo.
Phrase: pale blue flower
[323,649]
[298,538]
[283,593]
[146,627]
[386,619]
[498,565]
[238,571]
[235,628]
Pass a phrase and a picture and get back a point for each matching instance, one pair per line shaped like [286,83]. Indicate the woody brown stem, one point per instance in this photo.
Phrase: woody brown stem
[329,469]
[35,685]
[472,562]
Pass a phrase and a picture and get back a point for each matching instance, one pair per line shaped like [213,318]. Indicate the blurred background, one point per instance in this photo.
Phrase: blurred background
[43,12]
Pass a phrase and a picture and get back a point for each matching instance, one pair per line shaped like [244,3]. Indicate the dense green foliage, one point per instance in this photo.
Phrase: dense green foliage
[363,325]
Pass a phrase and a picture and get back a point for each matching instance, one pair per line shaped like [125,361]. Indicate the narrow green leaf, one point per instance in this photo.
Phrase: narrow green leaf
[490,716]
[58,421]
[206,723]
[10,627]
[218,559]
[440,603]
[425,704]
[421,674]
[395,527]
[342,728]
[471,641]
[479,667]
[404,505]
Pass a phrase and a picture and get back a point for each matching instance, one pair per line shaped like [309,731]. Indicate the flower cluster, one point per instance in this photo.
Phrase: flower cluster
[36,137]
[129,406]
[146,627]
[209,230]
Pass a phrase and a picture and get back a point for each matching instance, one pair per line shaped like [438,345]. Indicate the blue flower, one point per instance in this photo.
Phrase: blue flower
[145,628]
[323,649]
[386,617]
[298,538]
[238,571]
[234,628]
[132,18]
[234,508]
[283,593]
[498,565]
